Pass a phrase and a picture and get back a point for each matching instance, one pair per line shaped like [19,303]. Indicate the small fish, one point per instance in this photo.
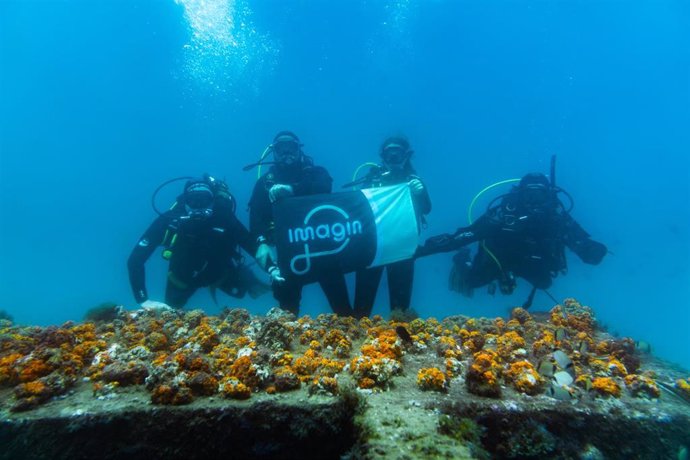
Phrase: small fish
[561,393]
[563,361]
[561,334]
[643,347]
[562,378]
[582,346]
[403,334]
[546,368]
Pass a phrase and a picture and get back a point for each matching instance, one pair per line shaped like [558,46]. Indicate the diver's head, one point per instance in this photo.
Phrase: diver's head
[287,149]
[396,153]
[198,198]
[536,193]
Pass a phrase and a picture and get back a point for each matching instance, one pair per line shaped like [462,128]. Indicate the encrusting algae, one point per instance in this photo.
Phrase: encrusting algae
[179,356]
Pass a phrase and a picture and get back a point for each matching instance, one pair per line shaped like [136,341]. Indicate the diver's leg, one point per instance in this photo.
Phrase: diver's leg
[242,280]
[482,271]
[466,276]
[540,278]
[366,284]
[288,294]
[400,279]
[176,294]
[333,284]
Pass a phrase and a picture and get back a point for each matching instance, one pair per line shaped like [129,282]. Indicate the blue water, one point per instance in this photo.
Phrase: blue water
[102,101]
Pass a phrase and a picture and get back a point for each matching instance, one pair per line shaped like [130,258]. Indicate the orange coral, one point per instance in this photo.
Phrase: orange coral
[233,388]
[8,371]
[34,369]
[545,344]
[167,395]
[508,343]
[432,379]
[639,385]
[202,384]
[282,359]
[616,368]
[684,386]
[205,336]
[606,386]
[482,375]
[324,385]
[286,379]
[366,383]
[156,341]
[244,370]
[474,341]
[525,378]
[306,366]
[520,314]
[556,316]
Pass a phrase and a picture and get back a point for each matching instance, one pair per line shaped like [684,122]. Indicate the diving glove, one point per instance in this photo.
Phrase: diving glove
[279,191]
[416,186]
[276,276]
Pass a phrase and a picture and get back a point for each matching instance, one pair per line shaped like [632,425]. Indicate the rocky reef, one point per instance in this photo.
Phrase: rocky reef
[173,384]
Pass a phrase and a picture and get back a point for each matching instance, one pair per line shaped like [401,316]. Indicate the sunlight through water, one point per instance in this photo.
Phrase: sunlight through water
[225,54]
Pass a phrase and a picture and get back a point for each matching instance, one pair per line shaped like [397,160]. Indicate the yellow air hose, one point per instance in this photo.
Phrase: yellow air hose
[265,153]
[469,214]
[359,168]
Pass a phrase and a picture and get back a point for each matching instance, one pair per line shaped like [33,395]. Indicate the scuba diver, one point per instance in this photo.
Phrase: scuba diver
[201,235]
[292,173]
[397,168]
[524,235]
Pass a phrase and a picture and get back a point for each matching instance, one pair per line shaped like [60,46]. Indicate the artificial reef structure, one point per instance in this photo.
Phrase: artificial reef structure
[173,384]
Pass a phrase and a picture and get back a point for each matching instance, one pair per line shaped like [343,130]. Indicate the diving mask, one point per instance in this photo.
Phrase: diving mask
[286,152]
[198,200]
[395,155]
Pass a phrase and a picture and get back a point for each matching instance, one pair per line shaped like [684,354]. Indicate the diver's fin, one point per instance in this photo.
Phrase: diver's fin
[530,299]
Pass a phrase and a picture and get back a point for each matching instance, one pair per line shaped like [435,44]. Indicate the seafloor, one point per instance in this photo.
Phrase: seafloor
[169,384]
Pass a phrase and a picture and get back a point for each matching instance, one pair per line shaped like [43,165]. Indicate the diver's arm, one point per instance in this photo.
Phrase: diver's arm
[479,230]
[148,243]
[423,200]
[448,242]
[578,240]
[260,212]
[243,237]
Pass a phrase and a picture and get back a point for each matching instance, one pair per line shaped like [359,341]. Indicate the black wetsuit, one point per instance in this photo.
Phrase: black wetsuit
[202,252]
[400,274]
[518,241]
[305,179]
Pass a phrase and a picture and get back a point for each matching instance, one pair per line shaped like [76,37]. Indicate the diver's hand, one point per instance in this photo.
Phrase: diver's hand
[263,255]
[279,191]
[416,186]
[152,305]
[438,241]
[276,276]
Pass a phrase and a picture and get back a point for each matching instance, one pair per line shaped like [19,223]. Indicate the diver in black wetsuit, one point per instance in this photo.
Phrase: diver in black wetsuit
[292,174]
[524,235]
[201,235]
[396,169]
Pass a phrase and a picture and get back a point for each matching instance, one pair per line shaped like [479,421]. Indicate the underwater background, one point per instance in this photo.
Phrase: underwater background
[100,102]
